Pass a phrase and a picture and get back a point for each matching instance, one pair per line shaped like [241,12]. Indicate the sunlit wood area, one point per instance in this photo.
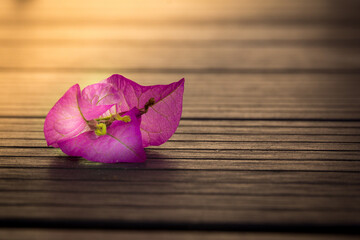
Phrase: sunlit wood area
[268,146]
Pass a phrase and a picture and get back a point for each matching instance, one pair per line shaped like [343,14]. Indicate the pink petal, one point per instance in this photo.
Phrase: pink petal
[64,119]
[97,99]
[101,94]
[122,143]
[67,118]
[162,119]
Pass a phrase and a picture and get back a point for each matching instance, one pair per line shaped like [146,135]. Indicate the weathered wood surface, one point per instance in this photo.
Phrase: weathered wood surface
[40,234]
[269,142]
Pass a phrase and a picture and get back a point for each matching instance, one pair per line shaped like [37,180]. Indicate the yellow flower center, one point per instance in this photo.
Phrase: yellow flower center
[100,129]
[124,118]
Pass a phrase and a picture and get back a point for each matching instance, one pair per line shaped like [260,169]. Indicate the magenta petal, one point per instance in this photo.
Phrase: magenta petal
[101,94]
[162,119]
[97,99]
[64,120]
[67,118]
[122,143]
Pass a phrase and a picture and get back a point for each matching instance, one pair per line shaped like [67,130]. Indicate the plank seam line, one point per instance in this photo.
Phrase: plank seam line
[217,150]
[182,193]
[323,183]
[185,170]
[46,223]
[235,119]
[326,71]
[161,160]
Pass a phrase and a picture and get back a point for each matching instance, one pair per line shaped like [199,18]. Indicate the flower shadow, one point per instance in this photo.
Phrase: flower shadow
[155,160]
[99,188]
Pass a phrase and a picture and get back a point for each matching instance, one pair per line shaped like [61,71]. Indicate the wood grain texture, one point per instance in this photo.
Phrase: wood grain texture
[268,146]
[40,234]
[84,57]
[228,96]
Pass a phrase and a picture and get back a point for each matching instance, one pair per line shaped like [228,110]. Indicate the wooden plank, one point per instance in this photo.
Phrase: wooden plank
[188,129]
[39,234]
[224,112]
[240,89]
[46,79]
[219,154]
[120,216]
[38,110]
[218,100]
[248,188]
[183,201]
[274,11]
[216,137]
[131,174]
[223,132]
[111,57]
[190,164]
[303,97]
[92,234]
[203,35]
[211,145]
[292,115]
[37,123]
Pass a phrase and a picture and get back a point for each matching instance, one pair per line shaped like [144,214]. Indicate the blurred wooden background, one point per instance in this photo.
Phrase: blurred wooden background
[268,146]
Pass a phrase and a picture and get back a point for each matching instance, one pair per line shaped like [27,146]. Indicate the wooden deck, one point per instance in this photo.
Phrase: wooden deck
[269,142]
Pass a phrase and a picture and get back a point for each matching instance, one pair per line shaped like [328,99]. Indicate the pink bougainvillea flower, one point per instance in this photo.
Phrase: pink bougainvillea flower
[112,121]
[163,116]
[81,124]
